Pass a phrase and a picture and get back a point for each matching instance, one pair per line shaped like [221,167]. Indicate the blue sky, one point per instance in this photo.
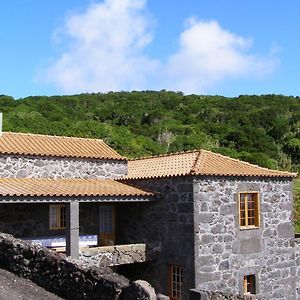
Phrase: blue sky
[221,47]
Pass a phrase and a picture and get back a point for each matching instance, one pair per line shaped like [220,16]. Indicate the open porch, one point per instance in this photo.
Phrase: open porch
[78,216]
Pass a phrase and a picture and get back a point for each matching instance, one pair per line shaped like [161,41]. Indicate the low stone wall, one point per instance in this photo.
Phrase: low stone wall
[206,295]
[114,255]
[64,276]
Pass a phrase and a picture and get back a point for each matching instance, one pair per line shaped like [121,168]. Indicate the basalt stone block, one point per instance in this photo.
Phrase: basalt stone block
[285,230]
[139,290]
[21,174]
[228,209]
[224,265]
[207,238]
[252,245]
[203,207]
[185,188]
[205,260]
[185,207]
[207,277]
[267,233]
[205,217]
[217,229]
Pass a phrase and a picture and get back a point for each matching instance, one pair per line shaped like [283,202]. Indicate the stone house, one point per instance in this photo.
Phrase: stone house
[219,223]
[223,225]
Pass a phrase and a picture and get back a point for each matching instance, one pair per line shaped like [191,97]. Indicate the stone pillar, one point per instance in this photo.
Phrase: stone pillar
[72,229]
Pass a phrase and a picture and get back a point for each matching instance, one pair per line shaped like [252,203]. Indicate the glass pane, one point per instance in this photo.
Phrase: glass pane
[251,213]
[250,204]
[242,204]
[251,221]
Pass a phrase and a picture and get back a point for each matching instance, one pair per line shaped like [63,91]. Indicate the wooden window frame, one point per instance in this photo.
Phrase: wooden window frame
[256,211]
[59,216]
[175,287]
[249,281]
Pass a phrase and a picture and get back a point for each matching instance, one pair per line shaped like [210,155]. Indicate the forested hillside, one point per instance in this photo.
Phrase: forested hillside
[260,129]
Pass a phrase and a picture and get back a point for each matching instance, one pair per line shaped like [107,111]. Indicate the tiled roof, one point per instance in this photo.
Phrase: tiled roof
[67,187]
[200,162]
[47,145]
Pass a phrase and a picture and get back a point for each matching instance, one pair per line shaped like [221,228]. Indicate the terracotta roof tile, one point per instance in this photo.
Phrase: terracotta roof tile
[198,162]
[47,145]
[67,187]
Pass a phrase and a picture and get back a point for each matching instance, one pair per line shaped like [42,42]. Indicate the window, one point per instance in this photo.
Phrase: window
[249,210]
[249,285]
[57,216]
[175,282]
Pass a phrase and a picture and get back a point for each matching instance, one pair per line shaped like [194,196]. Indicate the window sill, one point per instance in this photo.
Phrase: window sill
[249,228]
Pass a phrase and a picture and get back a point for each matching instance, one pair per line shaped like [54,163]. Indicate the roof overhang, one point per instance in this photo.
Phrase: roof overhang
[82,199]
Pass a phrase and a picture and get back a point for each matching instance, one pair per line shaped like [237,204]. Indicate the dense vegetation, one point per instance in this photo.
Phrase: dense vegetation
[297,204]
[260,129]
[264,130]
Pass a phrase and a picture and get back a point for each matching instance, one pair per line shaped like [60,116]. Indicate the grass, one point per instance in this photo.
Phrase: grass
[297,204]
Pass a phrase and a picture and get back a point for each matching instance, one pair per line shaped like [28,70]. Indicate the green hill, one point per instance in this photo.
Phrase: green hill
[260,129]
[264,130]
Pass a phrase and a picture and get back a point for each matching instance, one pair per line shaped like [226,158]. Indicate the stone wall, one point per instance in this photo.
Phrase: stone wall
[32,220]
[224,253]
[168,222]
[115,255]
[297,249]
[216,295]
[14,166]
[67,277]
[58,274]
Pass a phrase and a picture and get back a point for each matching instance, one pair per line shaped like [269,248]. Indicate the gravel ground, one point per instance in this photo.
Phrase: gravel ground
[13,287]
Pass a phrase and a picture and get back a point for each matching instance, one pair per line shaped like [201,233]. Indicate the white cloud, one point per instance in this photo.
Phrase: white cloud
[208,54]
[106,51]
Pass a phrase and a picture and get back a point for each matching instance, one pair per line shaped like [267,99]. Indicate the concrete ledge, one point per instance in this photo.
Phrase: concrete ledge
[116,255]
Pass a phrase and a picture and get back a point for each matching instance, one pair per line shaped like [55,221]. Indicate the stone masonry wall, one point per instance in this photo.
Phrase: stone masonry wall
[224,254]
[115,255]
[297,249]
[14,166]
[58,274]
[216,295]
[168,222]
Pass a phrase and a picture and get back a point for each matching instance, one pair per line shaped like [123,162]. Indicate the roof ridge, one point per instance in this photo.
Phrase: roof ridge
[50,136]
[164,155]
[247,163]
[193,169]
[200,160]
